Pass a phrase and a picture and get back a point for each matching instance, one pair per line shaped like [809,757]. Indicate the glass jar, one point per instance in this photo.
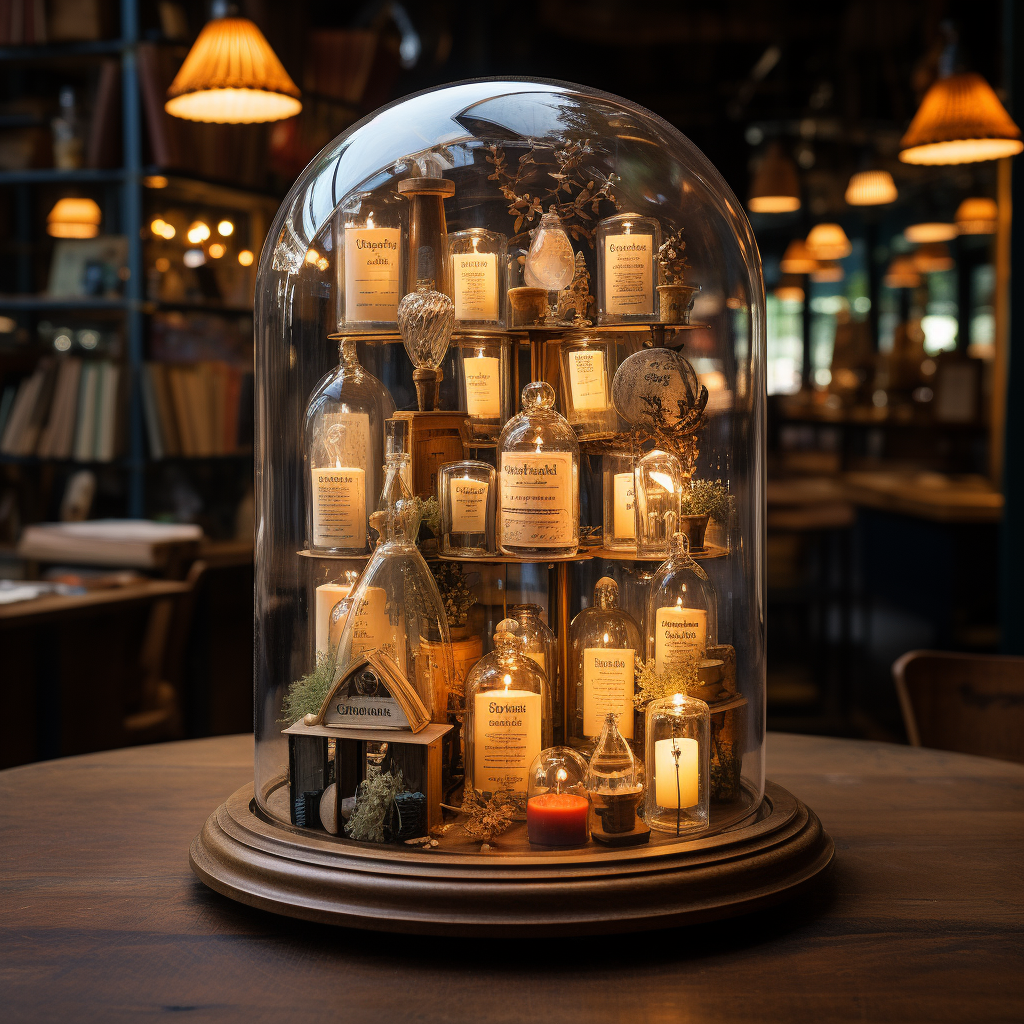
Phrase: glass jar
[479,260]
[658,491]
[557,805]
[615,782]
[344,430]
[485,381]
[603,645]
[504,718]
[627,249]
[540,644]
[397,471]
[538,479]
[619,514]
[678,730]
[467,493]
[588,363]
[682,610]
[369,262]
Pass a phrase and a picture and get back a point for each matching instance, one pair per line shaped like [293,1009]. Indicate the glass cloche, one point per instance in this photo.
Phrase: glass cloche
[495,159]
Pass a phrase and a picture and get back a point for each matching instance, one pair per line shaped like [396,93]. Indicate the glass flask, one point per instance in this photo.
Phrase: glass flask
[550,263]
[557,805]
[682,610]
[397,471]
[467,492]
[588,362]
[627,249]
[604,641]
[479,260]
[397,609]
[540,644]
[658,489]
[615,782]
[678,747]
[538,479]
[344,430]
[485,381]
[504,719]
[619,517]
[369,262]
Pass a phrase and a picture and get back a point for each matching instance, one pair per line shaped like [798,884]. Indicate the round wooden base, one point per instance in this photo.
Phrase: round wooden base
[287,871]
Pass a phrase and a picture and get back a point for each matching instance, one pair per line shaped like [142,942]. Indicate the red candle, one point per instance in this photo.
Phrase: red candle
[557,819]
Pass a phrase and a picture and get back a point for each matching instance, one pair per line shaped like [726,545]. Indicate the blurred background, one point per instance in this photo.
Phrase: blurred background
[126,364]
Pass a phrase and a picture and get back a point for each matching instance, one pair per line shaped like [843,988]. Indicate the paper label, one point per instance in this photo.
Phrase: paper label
[469,505]
[628,266]
[678,631]
[380,712]
[371,273]
[475,276]
[536,500]
[339,508]
[506,738]
[624,517]
[588,379]
[607,689]
[483,387]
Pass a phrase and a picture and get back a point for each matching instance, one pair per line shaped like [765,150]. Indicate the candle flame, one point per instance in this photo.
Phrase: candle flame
[369,220]
[507,680]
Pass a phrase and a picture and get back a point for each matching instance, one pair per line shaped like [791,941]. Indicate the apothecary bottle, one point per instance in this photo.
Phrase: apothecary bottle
[603,645]
[588,363]
[344,429]
[397,471]
[466,494]
[538,479]
[658,490]
[540,644]
[369,261]
[479,260]
[504,719]
[619,515]
[627,248]
[677,743]
[485,381]
[682,611]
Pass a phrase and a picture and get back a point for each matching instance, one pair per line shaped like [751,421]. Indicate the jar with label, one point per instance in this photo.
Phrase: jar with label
[504,719]
[538,480]
[619,515]
[682,611]
[344,430]
[479,260]
[370,246]
[466,494]
[485,362]
[588,364]
[658,490]
[540,644]
[627,248]
[603,645]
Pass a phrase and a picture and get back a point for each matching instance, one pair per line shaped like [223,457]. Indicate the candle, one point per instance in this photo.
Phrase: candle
[678,631]
[624,520]
[557,819]
[506,738]
[327,596]
[469,505]
[676,790]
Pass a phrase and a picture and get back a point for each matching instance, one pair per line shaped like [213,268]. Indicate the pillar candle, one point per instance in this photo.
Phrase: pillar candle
[557,819]
[666,793]
[506,738]
[624,519]
[327,596]
[677,631]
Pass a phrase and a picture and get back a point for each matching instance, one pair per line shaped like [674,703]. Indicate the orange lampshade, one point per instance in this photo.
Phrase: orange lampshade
[776,186]
[828,272]
[929,231]
[933,257]
[789,290]
[828,242]
[977,216]
[871,188]
[960,121]
[797,258]
[902,273]
[74,218]
[232,76]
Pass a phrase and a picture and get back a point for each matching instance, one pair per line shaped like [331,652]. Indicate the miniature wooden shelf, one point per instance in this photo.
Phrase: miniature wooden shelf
[307,553]
[710,551]
[580,556]
[423,738]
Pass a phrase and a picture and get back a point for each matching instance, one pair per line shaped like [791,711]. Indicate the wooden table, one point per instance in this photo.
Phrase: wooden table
[919,920]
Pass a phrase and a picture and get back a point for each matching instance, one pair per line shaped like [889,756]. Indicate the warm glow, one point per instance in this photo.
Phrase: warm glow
[161,228]
[664,480]
[155,181]
[312,256]
[245,257]
[788,290]
[797,259]
[828,242]
[871,188]
[828,272]
[198,232]
[977,216]
[74,218]
[163,264]
[323,263]
[930,231]
[933,257]
[216,250]
[776,185]
[902,273]
[193,258]
[773,204]
[225,228]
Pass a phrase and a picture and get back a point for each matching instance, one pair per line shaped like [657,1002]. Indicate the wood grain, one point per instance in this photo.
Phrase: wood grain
[920,918]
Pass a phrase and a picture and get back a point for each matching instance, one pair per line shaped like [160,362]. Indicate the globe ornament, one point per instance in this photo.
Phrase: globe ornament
[657,392]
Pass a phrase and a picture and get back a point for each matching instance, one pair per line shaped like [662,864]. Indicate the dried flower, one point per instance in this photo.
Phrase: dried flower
[671,261]
[487,821]
[653,685]
[374,800]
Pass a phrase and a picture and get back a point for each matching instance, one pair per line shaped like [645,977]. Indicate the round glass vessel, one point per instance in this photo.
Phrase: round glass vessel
[473,135]
[557,804]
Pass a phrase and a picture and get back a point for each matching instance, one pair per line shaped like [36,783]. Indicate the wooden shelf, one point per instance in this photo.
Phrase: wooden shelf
[580,556]
[328,556]
[710,551]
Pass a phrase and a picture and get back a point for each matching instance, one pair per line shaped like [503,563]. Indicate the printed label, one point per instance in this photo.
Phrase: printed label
[372,258]
[339,508]
[475,275]
[536,500]
[624,518]
[588,379]
[506,738]
[483,387]
[607,689]
[628,265]
[678,631]
[383,712]
[469,506]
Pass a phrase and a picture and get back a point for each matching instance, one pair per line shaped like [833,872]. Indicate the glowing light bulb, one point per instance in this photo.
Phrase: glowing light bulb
[245,257]
[550,263]
[312,256]
[225,228]
[217,250]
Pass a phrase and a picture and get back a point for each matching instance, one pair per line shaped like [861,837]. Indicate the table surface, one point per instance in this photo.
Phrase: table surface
[920,918]
[51,606]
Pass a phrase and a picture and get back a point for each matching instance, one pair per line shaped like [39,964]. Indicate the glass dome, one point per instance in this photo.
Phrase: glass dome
[366,224]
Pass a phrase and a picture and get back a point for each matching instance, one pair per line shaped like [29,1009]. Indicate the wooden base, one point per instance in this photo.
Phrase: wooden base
[545,893]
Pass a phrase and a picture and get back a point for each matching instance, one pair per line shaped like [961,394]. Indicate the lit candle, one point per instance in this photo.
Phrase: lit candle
[678,631]
[327,596]
[557,819]
[675,772]
[506,737]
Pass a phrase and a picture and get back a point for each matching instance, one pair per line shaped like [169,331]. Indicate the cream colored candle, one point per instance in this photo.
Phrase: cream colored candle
[327,596]
[666,792]
[469,505]
[678,631]
[506,738]
[624,521]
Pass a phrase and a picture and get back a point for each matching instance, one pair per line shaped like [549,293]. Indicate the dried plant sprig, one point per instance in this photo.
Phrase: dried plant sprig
[653,685]
[455,591]
[373,804]
[487,821]
[306,695]
[707,497]
[671,261]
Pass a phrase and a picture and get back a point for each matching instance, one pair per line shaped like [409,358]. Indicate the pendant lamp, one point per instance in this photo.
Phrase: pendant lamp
[929,231]
[232,76]
[828,272]
[828,242]
[871,188]
[797,258]
[977,216]
[789,289]
[776,185]
[74,218]
[933,257]
[902,273]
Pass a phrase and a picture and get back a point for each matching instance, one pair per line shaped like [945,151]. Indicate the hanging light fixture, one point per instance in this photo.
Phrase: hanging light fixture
[232,76]
[776,185]
[828,242]
[929,231]
[902,272]
[828,272]
[789,289]
[933,257]
[797,258]
[871,188]
[74,218]
[977,216]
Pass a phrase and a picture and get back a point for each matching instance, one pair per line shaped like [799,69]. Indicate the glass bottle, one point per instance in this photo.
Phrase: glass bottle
[504,718]
[538,479]
[344,427]
[619,515]
[479,261]
[467,492]
[540,644]
[658,489]
[550,263]
[397,471]
[677,731]
[588,362]
[615,782]
[68,139]
[558,806]
[627,248]
[485,382]
[603,643]
[682,610]
[369,260]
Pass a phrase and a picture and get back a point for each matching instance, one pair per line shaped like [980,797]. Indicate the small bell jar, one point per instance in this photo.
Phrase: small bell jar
[375,220]
[558,805]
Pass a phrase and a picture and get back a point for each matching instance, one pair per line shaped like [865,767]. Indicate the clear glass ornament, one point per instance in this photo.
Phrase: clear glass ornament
[426,319]
[658,491]
[558,806]
[550,263]
[678,748]
[615,782]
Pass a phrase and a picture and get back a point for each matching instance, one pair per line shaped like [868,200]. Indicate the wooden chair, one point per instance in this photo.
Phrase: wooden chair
[972,704]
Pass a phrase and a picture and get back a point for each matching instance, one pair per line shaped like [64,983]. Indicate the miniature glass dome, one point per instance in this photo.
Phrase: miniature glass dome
[498,155]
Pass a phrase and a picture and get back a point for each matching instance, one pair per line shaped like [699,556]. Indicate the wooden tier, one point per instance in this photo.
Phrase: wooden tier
[580,556]
[307,553]
[709,551]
